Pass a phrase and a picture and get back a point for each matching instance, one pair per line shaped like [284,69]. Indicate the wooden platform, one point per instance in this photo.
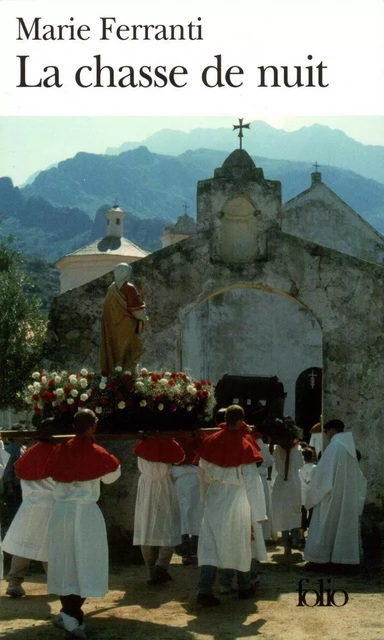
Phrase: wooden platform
[30,434]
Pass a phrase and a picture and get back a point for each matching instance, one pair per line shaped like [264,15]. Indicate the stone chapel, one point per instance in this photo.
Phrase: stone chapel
[294,291]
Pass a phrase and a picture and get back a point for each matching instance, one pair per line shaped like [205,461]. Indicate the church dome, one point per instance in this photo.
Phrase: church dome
[239,166]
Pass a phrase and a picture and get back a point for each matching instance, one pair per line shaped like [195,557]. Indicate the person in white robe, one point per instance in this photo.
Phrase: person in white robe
[286,492]
[27,536]
[233,500]
[78,550]
[157,514]
[187,484]
[4,457]
[263,471]
[337,494]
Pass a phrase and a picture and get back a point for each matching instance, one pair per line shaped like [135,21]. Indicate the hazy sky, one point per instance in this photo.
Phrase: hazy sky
[30,144]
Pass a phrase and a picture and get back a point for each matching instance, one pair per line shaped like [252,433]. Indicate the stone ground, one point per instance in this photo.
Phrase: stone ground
[132,610]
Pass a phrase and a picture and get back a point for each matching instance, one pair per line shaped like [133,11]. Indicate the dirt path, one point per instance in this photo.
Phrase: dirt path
[132,610]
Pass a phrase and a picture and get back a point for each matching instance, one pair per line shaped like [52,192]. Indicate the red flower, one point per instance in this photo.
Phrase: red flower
[198,385]
[112,384]
[119,396]
[203,382]
[35,397]
[144,374]
[37,410]
[173,406]
[89,376]
[104,373]
[51,383]
[64,407]
[67,389]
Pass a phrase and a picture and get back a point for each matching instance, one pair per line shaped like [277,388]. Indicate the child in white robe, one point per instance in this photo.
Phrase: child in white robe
[157,513]
[78,550]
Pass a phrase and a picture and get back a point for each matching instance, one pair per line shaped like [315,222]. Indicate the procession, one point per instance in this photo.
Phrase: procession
[196,453]
[220,496]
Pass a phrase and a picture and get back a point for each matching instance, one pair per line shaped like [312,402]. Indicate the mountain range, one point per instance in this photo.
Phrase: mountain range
[309,144]
[62,208]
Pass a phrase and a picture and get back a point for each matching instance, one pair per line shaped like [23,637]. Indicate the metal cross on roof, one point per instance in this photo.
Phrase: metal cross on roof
[241,126]
[317,166]
[186,207]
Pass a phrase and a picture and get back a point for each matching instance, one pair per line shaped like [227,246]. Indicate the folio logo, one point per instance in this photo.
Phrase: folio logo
[322,597]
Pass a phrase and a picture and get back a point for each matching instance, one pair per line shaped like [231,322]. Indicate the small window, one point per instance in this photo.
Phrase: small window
[117,220]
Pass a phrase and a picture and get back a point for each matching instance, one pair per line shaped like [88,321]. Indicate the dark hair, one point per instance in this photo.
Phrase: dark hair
[83,419]
[335,424]
[220,415]
[308,455]
[47,429]
[233,414]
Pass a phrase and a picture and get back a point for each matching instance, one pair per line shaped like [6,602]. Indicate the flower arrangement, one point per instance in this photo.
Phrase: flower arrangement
[61,394]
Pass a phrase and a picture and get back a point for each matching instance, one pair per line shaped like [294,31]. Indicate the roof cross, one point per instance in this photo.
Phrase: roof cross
[317,166]
[241,126]
[186,207]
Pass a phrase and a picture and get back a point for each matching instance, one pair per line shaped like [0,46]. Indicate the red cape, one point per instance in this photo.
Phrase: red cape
[32,464]
[189,445]
[79,460]
[229,448]
[160,450]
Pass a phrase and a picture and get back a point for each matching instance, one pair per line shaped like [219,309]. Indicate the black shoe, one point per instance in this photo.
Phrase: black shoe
[159,576]
[246,594]
[207,600]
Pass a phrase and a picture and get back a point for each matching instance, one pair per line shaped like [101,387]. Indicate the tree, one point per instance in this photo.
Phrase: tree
[22,327]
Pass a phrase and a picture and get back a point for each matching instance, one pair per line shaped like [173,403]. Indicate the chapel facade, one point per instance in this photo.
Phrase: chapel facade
[248,294]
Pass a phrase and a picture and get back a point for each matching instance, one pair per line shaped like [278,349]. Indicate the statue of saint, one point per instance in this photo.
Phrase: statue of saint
[124,314]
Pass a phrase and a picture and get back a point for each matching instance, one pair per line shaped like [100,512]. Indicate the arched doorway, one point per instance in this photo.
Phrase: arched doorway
[251,332]
[308,398]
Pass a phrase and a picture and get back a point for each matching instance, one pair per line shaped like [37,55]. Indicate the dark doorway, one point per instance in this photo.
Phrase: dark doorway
[308,399]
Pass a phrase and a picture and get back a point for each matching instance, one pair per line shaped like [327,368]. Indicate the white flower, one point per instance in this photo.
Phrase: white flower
[74,393]
[37,387]
[59,392]
[177,388]
[102,385]
[70,401]
[43,379]
[103,379]
[160,406]
[72,379]
[139,385]
[167,373]
[191,389]
[28,399]
[121,405]
[83,383]
[54,403]
[84,397]
[118,369]
[57,379]
[127,373]
[84,372]
[144,371]
[187,379]
[189,407]
[163,381]
[31,388]
[99,410]
[40,405]
[143,403]
[36,375]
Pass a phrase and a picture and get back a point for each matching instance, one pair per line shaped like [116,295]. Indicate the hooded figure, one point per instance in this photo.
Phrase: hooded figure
[336,493]
[123,315]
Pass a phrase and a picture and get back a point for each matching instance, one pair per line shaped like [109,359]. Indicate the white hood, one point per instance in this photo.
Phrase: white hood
[346,440]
